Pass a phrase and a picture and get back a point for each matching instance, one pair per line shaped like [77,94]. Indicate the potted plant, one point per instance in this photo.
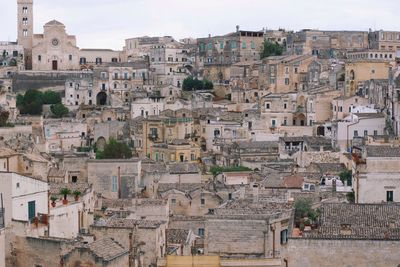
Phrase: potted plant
[65,192]
[53,201]
[77,194]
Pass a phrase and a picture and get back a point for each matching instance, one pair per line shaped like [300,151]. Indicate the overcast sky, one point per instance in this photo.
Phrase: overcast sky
[107,23]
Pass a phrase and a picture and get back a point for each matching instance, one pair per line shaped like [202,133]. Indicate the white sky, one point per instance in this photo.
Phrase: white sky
[107,23]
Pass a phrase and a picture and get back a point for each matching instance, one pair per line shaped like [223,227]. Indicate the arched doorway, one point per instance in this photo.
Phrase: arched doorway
[101,99]
[101,143]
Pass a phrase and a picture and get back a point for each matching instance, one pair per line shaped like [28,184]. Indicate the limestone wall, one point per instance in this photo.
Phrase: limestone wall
[333,253]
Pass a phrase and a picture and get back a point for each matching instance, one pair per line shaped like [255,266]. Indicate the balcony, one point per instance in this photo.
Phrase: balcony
[153,136]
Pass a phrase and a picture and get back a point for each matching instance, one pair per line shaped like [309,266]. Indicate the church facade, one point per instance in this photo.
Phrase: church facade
[54,49]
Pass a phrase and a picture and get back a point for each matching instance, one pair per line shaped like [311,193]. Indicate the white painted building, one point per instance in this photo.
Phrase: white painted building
[23,197]
[357,125]
[147,107]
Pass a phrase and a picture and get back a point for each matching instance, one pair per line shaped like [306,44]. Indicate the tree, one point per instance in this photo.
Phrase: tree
[32,101]
[114,150]
[346,177]
[191,83]
[59,110]
[303,208]
[208,85]
[215,170]
[187,84]
[271,49]
[4,118]
[33,108]
[51,97]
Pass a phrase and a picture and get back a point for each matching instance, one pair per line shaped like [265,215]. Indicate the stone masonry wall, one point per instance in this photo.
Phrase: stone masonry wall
[346,253]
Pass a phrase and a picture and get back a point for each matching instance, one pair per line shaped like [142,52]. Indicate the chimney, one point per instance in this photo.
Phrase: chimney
[255,193]
[237,28]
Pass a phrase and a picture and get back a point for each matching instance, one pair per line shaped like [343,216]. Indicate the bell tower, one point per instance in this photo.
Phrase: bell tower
[25,29]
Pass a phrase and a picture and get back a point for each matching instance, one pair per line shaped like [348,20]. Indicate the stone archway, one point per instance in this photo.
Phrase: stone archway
[101,143]
[101,99]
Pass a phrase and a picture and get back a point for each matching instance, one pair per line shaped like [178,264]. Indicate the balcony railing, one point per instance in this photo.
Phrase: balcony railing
[153,137]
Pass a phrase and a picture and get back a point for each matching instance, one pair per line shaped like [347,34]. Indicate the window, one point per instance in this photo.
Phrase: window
[284,236]
[70,57]
[210,46]
[365,133]
[25,10]
[192,157]
[25,21]
[25,33]
[39,58]
[221,45]
[244,45]
[114,185]
[286,81]
[389,196]
[201,232]
[355,133]
[99,60]
[253,45]
[173,201]
[233,44]
[375,132]
[202,201]
[285,105]
[267,105]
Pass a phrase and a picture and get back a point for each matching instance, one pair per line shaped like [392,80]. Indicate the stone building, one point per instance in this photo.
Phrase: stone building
[105,252]
[218,53]
[376,174]
[325,44]
[358,72]
[283,74]
[115,178]
[243,229]
[145,237]
[238,153]
[384,40]
[175,151]
[357,234]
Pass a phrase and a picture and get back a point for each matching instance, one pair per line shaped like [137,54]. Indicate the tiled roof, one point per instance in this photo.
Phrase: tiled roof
[107,249]
[383,151]
[358,221]
[293,181]
[55,172]
[184,187]
[248,207]
[177,236]
[127,223]
[257,144]
[177,168]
